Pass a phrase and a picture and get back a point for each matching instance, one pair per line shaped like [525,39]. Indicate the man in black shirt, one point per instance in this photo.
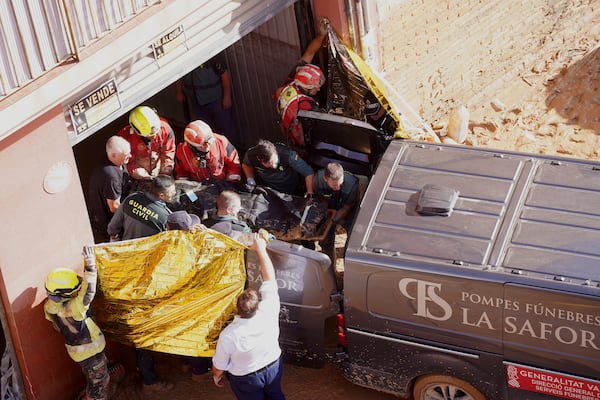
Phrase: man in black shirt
[108,184]
[278,167]
[340,189]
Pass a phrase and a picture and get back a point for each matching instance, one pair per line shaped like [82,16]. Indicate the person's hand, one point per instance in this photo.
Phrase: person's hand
[268,236]
[218,380]
[89,256]
[250,185]
[259,244]
[141,173]
[323,23]
[198,228]
[309,199]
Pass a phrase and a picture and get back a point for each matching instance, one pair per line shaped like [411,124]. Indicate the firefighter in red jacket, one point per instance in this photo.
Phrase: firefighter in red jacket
[295,96]
[303,83]
[152,144]
[205,155]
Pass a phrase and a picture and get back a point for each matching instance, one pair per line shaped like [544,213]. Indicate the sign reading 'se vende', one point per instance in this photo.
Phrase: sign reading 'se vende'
[95,106]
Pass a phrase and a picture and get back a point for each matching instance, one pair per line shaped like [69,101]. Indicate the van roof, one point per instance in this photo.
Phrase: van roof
[521,212]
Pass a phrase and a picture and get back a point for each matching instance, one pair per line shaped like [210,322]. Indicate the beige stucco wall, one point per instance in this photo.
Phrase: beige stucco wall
[40,232]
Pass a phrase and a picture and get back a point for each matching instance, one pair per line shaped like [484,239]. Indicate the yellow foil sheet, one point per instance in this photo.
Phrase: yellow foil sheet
[172,292]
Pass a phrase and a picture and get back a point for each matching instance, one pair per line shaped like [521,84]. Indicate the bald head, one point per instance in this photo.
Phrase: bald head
[118,150]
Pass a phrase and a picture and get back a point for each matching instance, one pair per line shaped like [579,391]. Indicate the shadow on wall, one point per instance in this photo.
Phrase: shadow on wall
[575,94]
[45,347]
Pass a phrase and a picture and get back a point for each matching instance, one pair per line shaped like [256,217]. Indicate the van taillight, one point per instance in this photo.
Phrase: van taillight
[341,333]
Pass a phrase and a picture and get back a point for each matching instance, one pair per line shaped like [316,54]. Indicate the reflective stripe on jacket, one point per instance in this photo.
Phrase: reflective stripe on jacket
[289,101]
[156,157]
[221,161]
[83,338]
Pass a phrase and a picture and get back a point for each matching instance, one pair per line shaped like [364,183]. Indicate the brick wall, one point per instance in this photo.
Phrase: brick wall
[441,53]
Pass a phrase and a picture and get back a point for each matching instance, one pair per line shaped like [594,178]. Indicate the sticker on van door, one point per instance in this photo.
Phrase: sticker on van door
[551,383]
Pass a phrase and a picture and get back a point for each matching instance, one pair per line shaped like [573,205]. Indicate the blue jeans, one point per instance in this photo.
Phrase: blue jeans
[264,384]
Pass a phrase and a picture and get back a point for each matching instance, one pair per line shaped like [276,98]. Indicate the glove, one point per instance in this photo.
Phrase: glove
[266,235]
[310,200]
[141,173]
[89,257]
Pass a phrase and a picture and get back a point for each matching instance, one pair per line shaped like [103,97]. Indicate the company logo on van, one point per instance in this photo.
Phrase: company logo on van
[429,303]
[553,316]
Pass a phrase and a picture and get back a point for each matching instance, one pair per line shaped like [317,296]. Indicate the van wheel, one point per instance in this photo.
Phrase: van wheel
[443,387]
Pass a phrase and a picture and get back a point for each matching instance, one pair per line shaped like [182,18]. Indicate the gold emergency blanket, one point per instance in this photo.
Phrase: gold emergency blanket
[172,292]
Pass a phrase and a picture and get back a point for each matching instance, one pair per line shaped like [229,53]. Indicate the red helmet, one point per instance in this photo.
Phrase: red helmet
[309,76]
[197,133]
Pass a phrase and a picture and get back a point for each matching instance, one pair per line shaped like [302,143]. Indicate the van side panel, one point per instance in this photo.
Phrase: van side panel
[559,330]
[508,281]
[400,301]
[405,323]
[307,289]
[394,361]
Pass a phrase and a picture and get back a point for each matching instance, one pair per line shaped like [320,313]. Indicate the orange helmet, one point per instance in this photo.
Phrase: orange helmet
[197,133]
[309,76]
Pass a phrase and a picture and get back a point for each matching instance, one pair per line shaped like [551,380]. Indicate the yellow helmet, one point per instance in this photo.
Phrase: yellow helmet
[62,282]
[145,121]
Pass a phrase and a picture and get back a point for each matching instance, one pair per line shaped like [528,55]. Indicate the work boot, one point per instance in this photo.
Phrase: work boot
[160,386]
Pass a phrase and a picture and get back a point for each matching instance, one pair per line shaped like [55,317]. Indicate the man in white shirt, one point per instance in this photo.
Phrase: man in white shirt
[248,348]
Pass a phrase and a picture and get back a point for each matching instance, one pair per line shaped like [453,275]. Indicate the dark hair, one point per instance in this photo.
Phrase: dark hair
[247,303]
[265,150]
[161,184]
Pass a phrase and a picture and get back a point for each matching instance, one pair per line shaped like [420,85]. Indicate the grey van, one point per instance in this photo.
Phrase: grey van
[469,274]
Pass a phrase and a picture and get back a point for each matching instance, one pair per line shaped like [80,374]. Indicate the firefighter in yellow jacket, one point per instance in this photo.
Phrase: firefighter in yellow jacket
[69,299]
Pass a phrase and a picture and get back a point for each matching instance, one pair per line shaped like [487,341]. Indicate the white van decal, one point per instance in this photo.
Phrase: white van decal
[426,293]
[288,280]
[520,318]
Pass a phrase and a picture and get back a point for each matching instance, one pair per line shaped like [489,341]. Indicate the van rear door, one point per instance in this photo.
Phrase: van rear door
[310,300]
